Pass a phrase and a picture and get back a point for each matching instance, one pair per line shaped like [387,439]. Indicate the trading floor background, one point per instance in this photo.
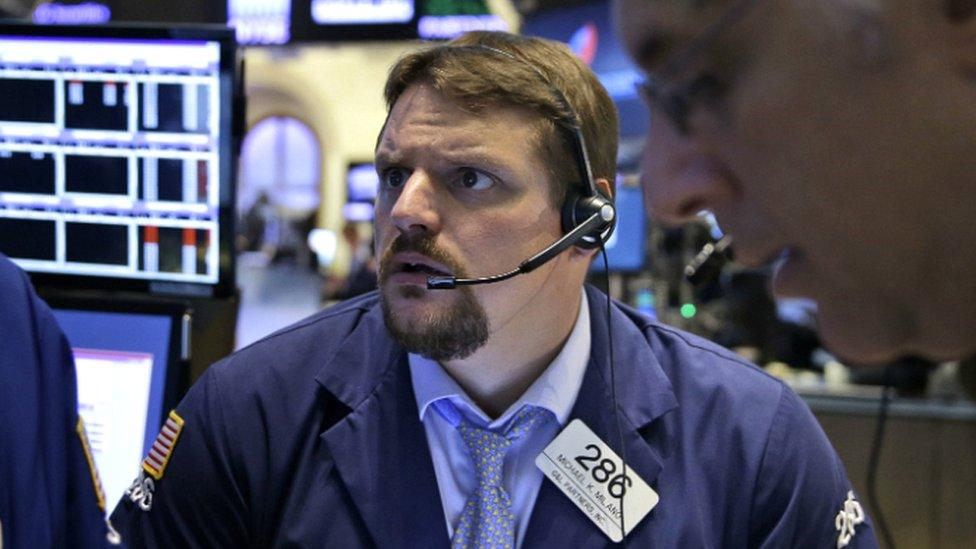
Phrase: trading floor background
[302,207]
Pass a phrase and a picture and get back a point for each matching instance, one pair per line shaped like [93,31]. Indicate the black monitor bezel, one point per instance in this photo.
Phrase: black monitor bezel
[231,126]
[177,378]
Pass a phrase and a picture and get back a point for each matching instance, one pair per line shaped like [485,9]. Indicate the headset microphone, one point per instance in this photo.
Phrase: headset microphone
[707,265]
[596,223]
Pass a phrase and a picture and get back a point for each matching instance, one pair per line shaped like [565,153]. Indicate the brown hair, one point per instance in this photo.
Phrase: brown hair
[467,71]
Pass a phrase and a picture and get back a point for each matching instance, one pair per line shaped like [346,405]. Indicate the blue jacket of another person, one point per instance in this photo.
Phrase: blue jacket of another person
[50,495]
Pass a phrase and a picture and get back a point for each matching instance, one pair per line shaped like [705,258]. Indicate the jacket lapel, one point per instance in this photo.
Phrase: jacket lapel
[644,394]
[380,448]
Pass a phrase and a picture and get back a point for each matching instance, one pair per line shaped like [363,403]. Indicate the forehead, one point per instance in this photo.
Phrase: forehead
[424,120]
[653,29]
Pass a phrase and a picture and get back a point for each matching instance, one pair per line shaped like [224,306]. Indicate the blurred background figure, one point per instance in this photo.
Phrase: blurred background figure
[254,224]
[361,277]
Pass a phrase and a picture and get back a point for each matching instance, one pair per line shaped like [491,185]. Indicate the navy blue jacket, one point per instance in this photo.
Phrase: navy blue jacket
[311,438]
[49,494]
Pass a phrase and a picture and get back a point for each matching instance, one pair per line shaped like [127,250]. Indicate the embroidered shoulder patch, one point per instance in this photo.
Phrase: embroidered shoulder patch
[847,520]
[162,449]
[92,470]
[141,491]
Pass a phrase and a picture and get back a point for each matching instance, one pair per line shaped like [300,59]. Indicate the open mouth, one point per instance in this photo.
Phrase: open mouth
[414,268]
[422,268]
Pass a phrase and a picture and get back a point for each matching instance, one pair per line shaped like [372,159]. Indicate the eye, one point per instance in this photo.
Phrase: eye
[475,180]
[394,178]
[706,88]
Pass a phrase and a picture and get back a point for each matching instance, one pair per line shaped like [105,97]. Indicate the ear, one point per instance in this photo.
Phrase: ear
[604,188]
[961,32]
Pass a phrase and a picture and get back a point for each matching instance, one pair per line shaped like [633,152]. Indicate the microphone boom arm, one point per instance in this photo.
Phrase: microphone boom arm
[530,264]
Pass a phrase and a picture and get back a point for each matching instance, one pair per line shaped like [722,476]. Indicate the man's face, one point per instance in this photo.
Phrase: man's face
[808,150]
[465,195]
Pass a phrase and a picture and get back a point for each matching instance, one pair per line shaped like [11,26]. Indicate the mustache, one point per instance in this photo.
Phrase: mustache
[422,244]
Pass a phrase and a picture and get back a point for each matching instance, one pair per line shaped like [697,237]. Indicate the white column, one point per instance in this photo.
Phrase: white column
[150,249]
[190,183]
[189,251]
[190,107]
[150,178]
[150,104]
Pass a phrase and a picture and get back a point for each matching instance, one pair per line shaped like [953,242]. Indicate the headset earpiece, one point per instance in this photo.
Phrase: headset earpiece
[577,209]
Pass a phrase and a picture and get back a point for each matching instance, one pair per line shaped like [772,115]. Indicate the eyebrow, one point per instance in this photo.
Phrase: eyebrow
[385,156]
[484,160]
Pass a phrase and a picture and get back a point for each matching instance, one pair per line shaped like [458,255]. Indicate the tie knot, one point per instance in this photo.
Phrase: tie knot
[528,418]
[487,519]
[489,446]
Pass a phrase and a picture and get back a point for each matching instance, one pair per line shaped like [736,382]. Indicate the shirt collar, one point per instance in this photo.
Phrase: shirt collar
[555,390]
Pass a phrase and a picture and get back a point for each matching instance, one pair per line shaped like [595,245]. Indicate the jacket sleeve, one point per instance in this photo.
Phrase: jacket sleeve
[803,497]
[186,493]
[50,495]
[85,497]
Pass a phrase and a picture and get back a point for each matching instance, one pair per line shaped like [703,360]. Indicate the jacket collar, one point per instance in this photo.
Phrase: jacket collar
[644,391]
[360,360]
[379,448]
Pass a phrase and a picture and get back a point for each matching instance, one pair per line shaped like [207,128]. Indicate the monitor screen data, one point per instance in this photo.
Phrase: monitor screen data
[109,157]
[113,399]
[121,365]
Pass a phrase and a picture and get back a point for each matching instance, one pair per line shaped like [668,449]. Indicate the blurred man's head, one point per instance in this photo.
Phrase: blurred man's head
[475,160]
[838,136]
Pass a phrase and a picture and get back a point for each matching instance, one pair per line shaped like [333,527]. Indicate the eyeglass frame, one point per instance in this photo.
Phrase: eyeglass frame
[677,102]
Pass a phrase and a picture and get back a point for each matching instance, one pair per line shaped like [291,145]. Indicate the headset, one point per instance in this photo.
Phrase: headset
[588,217]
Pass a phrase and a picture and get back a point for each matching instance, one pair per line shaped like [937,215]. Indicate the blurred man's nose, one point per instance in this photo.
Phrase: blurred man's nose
[416,207]
[679,175]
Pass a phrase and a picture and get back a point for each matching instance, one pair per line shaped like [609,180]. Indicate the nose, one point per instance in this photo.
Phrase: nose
[680,176]
[415,208]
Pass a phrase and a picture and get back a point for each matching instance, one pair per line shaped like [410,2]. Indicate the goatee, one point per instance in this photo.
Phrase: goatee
[453,333]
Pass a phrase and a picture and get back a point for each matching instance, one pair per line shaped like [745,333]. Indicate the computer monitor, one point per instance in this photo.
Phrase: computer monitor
[353,20]
[362,184]
[260,22]
[586,27]
[117,148]
[130,359]
[448,19]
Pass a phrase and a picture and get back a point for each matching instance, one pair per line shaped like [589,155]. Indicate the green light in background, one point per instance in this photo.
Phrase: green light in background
[689,310]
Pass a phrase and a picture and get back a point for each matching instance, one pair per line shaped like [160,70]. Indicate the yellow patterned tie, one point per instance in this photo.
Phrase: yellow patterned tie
[487,520]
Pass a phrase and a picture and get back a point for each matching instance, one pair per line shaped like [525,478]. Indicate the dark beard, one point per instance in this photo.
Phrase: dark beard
[453,334]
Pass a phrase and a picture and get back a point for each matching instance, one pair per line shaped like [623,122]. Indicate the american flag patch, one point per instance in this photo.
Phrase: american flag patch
[161,450]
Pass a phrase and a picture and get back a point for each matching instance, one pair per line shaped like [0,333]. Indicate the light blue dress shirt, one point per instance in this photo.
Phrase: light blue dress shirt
[555,390]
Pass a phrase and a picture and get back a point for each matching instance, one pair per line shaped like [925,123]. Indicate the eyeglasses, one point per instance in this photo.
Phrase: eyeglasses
[678,102]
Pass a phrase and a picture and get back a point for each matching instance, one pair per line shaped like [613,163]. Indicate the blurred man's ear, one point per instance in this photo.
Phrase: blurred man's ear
[961,15]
